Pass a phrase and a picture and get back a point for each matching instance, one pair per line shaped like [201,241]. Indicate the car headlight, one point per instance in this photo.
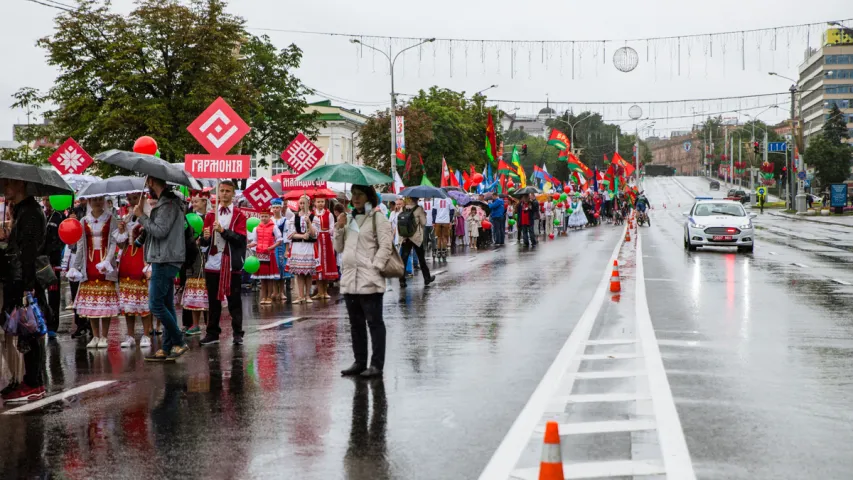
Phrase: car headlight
[747,226]
[696,225]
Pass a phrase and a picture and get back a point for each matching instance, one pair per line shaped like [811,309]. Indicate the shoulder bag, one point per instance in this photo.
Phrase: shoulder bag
[393,268]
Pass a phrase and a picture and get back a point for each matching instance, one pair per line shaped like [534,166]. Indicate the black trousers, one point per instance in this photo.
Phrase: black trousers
[54,295]
[365,311]
[419,251]
[235,304]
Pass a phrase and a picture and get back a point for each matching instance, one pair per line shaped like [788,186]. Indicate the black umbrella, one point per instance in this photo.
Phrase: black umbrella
[40,181]
[423,191]
[525,191]
[452,189]
[483,205]
[149,165]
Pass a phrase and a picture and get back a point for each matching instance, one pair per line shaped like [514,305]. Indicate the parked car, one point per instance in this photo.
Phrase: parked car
[737,195]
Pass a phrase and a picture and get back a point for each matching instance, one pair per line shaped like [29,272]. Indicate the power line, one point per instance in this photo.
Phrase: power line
[56,5]
[551,41]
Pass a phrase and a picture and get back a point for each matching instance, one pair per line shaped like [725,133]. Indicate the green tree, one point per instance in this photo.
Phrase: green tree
[835,128]
[830,160]
[155,70]
[440,123]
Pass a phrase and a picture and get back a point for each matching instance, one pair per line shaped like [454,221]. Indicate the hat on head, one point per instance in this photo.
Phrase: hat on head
[276,202]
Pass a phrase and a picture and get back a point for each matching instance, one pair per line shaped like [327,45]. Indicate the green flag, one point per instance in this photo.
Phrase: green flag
[425,181]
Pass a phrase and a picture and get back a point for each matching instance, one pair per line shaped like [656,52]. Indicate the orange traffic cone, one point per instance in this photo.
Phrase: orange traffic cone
[551,466]
[615,282]
[627,235]
[615,270]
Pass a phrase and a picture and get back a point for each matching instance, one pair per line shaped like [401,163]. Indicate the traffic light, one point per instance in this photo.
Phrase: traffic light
[756,147]
[784,174]
[524,149]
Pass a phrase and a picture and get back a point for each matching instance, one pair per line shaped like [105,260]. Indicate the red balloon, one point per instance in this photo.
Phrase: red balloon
[567,189]
[551,236]
[556,196]
[510,184]
[487,225]
[70,231]
[145,145]
[477,179]
[596,215]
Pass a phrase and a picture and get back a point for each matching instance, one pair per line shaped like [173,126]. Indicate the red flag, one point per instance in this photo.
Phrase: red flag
[408,166]
[445,173]
[454,182]
[606,161]
[618,160]
[491,139]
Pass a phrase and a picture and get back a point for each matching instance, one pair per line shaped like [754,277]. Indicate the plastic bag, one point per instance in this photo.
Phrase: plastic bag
[30,319]
[11,325]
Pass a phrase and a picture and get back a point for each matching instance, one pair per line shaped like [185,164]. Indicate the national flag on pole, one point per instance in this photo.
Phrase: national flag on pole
[581,179]
[519,170]
[574,164]
[491,139]
[618,160]
[563,155]
[454,179]
[459,180]
[606,161]
[445,173]
[504,168]
[398,183]
[408,166]
[559,139]
[425,181]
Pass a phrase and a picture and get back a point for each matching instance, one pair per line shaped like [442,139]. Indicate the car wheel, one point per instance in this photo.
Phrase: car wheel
[748,249]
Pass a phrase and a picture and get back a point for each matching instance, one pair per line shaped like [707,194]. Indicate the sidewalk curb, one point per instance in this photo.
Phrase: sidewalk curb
[804,218]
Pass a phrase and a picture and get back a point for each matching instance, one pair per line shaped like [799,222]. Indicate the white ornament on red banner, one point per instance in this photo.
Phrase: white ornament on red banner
[70,158]
[301,155]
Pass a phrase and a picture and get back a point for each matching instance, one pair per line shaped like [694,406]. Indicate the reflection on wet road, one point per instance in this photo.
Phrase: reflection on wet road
[757,349]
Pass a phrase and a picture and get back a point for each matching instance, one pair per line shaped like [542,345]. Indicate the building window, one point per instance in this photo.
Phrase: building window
[253,169]
[840,103]
[278,167]
[838,89]
[839,59]
[839,74]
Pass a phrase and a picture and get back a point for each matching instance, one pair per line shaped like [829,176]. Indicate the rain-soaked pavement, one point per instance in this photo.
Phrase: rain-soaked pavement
[758,351]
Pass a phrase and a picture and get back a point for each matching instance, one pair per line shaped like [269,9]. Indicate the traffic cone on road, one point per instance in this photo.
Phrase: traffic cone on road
[627,235]
[615,282]
[615,269]
[551,466]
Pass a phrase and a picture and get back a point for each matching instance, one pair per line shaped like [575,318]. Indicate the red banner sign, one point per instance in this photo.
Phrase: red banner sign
[289,182]
[70,158]
[218,166]
[302,155]
[218,128]
[260,194]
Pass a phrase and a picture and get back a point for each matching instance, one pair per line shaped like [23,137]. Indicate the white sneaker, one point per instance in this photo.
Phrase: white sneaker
[103,342]
[93,343]
[145,342]
[128,342]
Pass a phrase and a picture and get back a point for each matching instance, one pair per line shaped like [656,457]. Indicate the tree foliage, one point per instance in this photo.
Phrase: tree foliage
[835,128]
[440,123]
[35,138]
[155,70]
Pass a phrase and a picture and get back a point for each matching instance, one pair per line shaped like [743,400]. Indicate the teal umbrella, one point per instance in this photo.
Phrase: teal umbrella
[346,173]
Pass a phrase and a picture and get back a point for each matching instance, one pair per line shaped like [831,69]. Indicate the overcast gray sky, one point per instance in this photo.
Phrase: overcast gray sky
[334,66]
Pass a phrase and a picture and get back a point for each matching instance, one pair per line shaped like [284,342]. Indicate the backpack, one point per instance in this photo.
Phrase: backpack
[407,225]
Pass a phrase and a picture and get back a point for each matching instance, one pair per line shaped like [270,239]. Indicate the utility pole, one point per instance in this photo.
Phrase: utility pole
[792,185]
[725,150]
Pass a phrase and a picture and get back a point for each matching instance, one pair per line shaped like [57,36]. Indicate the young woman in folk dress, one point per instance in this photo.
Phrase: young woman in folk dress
[324,249]
[280,214]
[94,267]
[132,284]
[267,239]
[301,260]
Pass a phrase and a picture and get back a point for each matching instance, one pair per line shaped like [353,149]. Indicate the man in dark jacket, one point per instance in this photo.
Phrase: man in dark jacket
[25,243]
[498,216]
[53,248]
[534,205]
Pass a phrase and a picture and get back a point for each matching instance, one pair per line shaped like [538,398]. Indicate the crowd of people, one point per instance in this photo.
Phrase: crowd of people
[139,257]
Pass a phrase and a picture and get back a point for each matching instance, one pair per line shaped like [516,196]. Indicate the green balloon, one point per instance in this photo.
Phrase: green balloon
[252,265]
[563,197]
[556,221]
[251,224]
[61,202]
[570,210]
[194,220]
[454,202]
[157,154]
[511,222]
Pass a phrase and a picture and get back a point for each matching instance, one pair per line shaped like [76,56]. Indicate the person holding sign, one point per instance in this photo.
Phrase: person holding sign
[302,262]
[224,235]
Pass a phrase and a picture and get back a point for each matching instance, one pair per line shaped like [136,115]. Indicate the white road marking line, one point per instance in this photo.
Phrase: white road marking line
[673,446]
[61,396]
[661,280]
[609,374]
[801,265]
[611,341]
[439,272]
[506,456]
[278,322]
[605,397]
[842,282]
[472,259]
[607,469]
[608,426]
[773,253]
[610,356]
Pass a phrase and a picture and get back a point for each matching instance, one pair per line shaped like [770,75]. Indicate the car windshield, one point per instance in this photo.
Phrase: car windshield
[709,209]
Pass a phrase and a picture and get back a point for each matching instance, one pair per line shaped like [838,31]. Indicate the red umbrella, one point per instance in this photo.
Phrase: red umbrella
[311,192]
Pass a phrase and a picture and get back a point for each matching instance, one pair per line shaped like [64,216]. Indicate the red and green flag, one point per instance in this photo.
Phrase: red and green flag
[559,139]
[618,160]
[575,165]
[491,139]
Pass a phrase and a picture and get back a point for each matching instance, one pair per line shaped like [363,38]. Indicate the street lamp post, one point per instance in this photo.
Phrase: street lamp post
[796,100]
[637,147]
[391,62]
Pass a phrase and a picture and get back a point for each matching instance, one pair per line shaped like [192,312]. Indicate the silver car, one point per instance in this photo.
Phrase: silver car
[718,223]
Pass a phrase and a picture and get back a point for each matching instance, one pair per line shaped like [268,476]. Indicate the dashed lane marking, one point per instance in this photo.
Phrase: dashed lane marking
[801,265]
[59,397]
[841,282]
[278,323]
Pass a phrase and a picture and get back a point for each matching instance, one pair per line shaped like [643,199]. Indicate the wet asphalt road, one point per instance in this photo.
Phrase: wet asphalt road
[758,351]
[463,357]
[758,348]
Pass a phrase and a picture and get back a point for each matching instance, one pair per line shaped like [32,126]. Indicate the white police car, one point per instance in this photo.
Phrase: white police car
[718,223]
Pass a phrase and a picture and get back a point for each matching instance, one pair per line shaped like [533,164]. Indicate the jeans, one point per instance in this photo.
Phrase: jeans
[161,302]
[419,251]
[527,235]
[365,311]
[498,229]
[235,304]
